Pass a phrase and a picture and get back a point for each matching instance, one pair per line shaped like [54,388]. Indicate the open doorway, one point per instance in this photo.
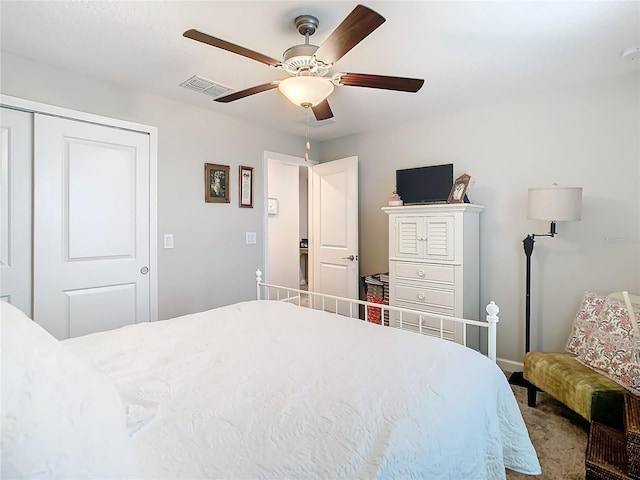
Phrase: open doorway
[321,205]
[304,226]
[287,220]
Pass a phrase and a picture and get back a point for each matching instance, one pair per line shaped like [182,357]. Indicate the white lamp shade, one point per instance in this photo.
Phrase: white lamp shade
[305,91]
[555,204]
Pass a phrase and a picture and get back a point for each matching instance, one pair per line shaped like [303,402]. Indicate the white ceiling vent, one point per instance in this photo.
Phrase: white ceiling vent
[208,87]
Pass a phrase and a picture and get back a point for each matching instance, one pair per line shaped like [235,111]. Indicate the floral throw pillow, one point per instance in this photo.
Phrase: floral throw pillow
[615,356]
[586,321]
[616,319]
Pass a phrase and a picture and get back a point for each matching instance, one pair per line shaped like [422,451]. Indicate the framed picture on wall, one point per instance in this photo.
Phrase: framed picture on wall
[216,183]
[459,189]
[246,187]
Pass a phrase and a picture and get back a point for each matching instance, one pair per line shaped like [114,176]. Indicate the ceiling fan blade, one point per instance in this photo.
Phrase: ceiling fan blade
[246,92]
[353,29]
[230,47]
[380,81]
[322,111]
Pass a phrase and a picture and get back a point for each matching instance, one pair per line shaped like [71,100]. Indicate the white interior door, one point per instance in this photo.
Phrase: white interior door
[334,233]
[16,157]
[91,226]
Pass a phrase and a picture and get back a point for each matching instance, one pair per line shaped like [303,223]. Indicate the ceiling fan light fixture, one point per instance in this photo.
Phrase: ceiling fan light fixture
[309,64]
[305,91]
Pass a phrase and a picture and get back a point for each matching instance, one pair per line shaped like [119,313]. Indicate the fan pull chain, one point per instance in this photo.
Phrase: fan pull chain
[307,145]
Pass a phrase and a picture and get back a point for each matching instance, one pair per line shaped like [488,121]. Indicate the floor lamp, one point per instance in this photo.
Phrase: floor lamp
[552,204]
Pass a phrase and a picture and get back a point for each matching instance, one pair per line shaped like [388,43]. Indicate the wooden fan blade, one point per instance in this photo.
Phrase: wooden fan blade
[322,111]
[380,81]
[246,92]
[353,29]
[230,47]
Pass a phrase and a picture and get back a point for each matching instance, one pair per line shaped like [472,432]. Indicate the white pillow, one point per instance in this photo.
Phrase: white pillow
[60,418]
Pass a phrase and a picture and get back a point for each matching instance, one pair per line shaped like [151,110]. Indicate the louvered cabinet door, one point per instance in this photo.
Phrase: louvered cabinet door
[424,238]
[408,242]
[439,238]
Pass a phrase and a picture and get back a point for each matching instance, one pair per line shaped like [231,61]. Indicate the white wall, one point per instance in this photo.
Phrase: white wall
[210,264]
[587,136]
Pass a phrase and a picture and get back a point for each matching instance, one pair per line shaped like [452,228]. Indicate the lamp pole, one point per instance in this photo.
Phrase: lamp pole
[517,378]
[528,250]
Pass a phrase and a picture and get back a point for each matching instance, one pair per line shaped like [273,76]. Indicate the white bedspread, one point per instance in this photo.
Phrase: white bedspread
[271,390]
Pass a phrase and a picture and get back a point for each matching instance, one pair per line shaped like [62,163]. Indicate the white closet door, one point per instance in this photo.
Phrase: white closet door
[15,207]
[91,227]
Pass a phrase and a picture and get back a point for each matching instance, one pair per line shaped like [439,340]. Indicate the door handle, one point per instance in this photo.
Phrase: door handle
[144,270]
[350,257]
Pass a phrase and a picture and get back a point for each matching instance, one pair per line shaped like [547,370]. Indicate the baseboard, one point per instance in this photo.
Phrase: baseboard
[509,365]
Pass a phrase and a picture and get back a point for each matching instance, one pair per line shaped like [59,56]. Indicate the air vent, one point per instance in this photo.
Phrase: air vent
[208,87]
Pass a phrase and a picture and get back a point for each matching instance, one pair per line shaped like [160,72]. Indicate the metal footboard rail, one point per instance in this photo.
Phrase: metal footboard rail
[324,302]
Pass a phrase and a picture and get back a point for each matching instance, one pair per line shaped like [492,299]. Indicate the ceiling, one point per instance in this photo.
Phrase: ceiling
[469,53]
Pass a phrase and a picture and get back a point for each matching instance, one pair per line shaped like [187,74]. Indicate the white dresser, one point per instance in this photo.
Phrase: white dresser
[434,266]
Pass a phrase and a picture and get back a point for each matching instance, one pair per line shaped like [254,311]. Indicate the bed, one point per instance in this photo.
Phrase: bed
[258,389]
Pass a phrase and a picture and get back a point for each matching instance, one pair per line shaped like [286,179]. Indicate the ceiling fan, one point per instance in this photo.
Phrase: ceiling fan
[308,65]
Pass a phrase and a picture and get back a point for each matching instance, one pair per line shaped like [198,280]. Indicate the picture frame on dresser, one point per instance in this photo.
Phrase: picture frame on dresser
[459,189]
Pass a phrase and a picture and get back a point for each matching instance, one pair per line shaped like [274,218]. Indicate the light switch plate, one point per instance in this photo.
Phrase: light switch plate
[168,240]
[250,238]
[272,206]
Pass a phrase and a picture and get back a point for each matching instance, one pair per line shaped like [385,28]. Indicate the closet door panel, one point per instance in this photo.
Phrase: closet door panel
[16,159]
[108,307]
[100,185]
[91,226]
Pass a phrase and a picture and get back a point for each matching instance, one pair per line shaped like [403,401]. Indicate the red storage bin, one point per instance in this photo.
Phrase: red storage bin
[377,290]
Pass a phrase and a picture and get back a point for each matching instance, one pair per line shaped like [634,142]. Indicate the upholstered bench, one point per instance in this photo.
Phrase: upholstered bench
[585,391]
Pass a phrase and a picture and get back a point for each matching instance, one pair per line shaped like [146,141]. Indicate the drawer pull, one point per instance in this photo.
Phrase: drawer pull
[420,273]
[421,296]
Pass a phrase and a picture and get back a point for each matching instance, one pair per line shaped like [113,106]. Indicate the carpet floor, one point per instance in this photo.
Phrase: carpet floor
[558,435]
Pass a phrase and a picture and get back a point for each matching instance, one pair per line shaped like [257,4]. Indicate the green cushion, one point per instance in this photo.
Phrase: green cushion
[588,393]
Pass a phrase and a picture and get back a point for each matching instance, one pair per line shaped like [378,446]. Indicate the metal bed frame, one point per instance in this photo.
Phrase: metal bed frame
[351,308]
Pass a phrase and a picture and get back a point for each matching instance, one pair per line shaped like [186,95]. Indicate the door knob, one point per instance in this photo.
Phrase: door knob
[144,270]
[350,257]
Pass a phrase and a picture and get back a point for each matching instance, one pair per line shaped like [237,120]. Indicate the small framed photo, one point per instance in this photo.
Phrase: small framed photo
[216,183]
[459,189]
[246,187]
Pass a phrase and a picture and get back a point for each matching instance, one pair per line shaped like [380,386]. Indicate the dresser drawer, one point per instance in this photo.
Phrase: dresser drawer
[425,271]
[427,296]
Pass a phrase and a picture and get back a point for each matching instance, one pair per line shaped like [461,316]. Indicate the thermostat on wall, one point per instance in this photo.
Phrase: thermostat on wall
[272,206]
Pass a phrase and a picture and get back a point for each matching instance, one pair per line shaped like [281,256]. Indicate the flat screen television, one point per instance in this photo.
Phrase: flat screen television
[425,184]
